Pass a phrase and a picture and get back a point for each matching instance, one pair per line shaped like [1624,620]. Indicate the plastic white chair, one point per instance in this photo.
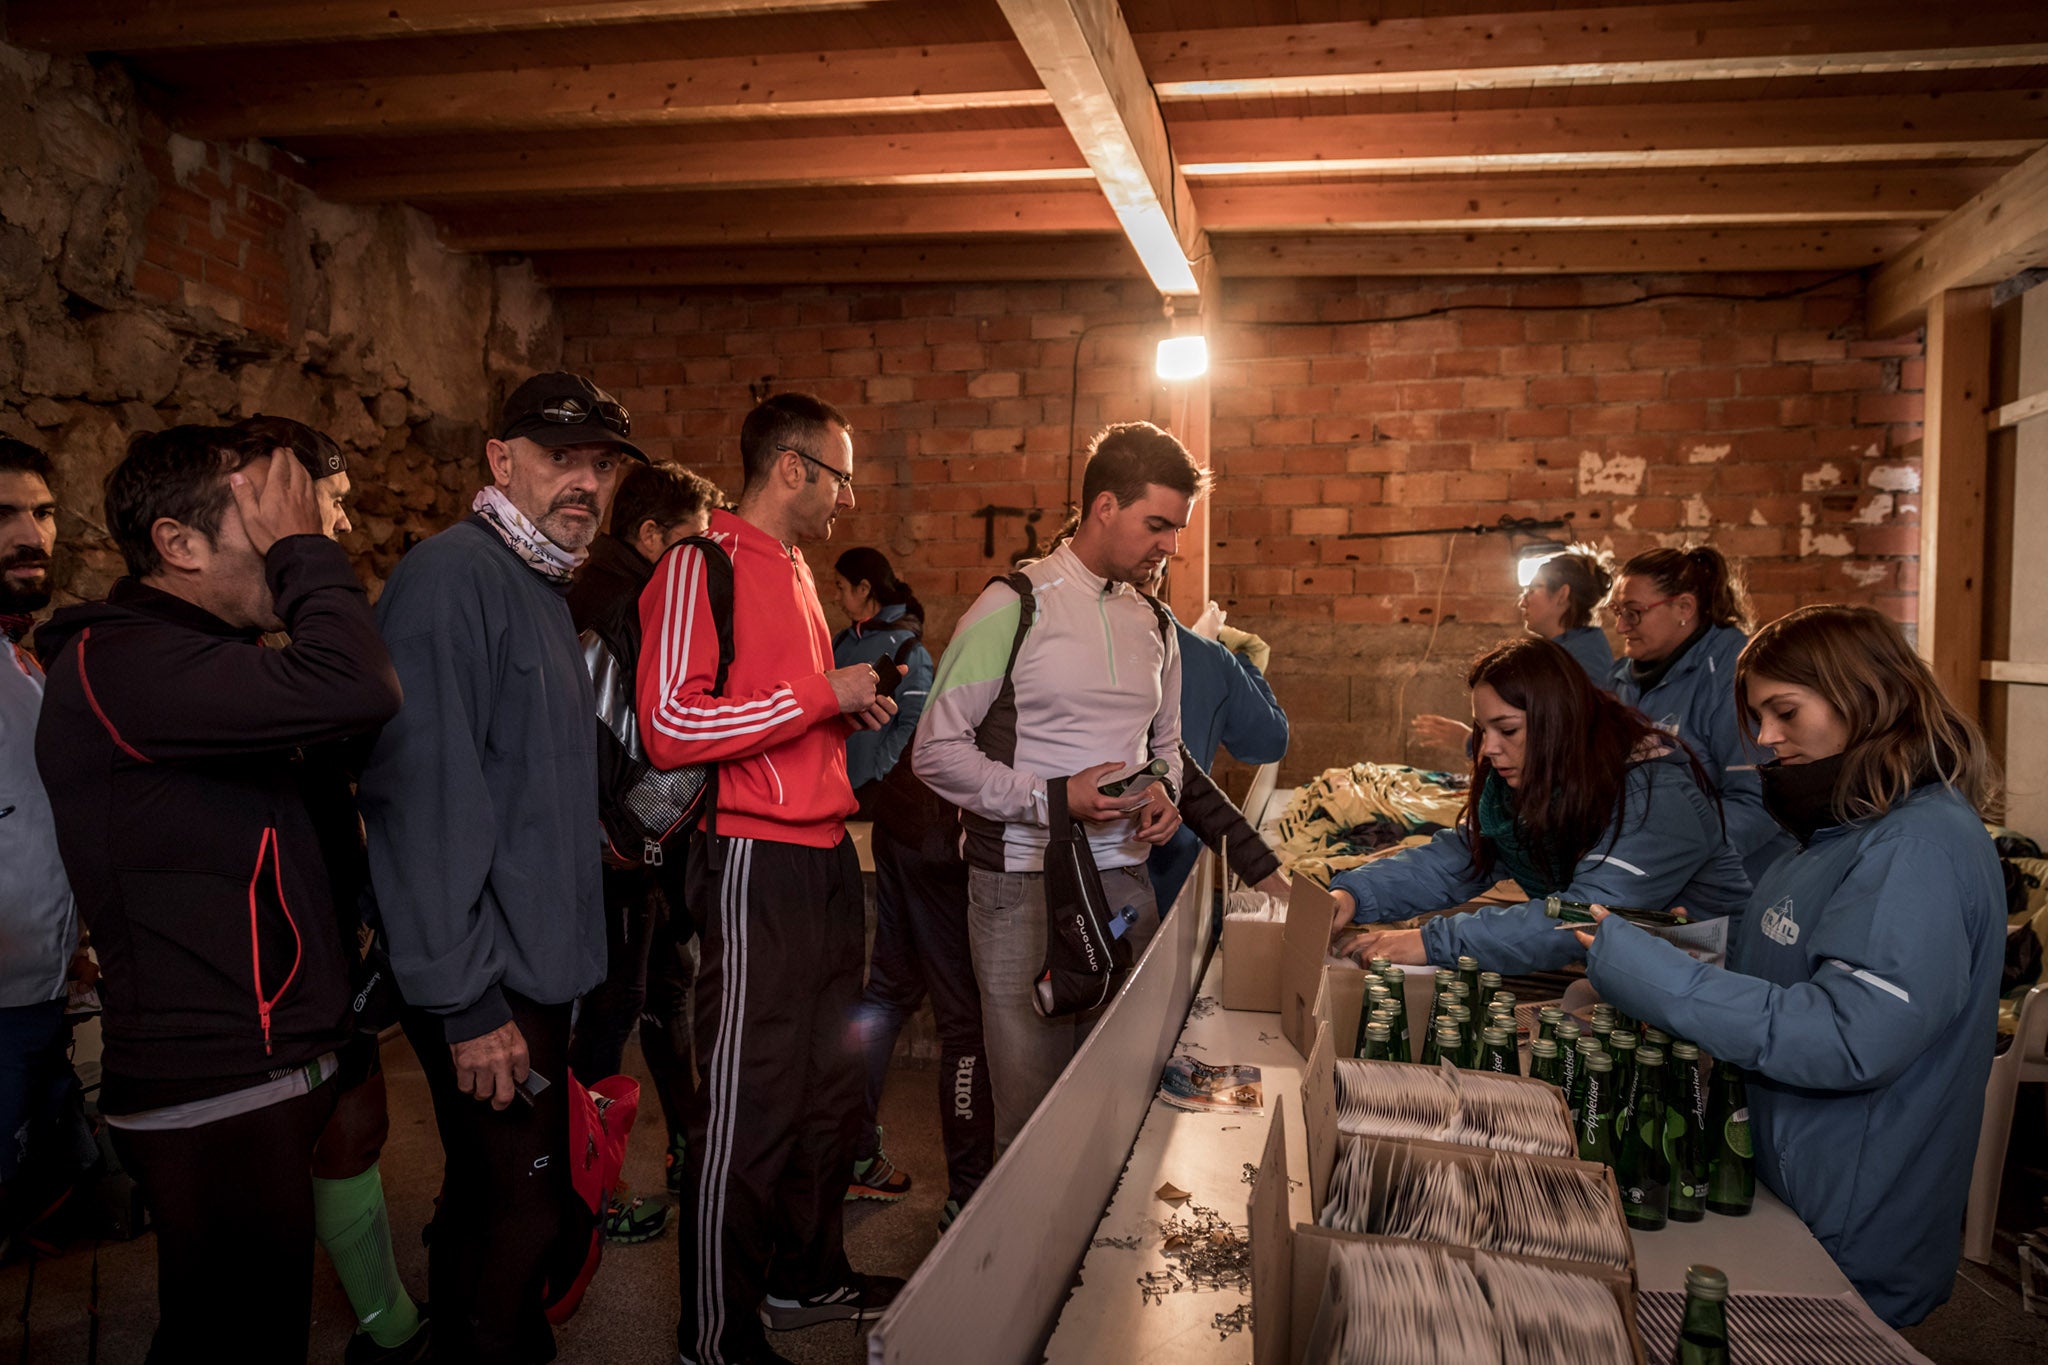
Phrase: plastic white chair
[2025,1060]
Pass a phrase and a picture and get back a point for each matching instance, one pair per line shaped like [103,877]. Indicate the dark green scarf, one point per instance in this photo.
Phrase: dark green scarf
[1512,852]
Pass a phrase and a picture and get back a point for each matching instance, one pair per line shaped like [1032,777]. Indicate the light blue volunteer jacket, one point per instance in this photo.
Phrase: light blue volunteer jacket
[1588,646]
[1863,1000]
[1669,851]
[870,754]
[1696,702]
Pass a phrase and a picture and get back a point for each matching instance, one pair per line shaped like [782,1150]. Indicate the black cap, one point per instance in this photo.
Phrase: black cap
[560,409]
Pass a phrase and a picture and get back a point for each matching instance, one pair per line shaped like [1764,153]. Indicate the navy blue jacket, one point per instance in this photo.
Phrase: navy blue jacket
[1696,702]
[1863,1000]
[1669,850]
[1589,646]
[870,754]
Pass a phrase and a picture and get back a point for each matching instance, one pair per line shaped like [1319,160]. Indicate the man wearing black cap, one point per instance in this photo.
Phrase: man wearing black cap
[480,802]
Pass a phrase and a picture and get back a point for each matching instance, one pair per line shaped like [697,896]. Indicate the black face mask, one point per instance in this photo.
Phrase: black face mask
[1801,796]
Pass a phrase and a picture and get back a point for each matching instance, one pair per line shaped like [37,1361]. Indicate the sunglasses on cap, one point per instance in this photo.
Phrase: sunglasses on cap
[572,411]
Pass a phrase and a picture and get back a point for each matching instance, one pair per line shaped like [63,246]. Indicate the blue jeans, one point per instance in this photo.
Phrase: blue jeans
[1006,928]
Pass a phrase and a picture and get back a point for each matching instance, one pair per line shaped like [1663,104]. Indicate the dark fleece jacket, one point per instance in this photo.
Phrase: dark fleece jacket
[172,746]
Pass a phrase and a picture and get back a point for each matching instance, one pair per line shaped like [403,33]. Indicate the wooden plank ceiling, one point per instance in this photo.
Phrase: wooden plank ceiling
[703,141]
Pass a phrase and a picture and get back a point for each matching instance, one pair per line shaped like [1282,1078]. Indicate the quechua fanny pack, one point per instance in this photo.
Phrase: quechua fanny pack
[1084,961]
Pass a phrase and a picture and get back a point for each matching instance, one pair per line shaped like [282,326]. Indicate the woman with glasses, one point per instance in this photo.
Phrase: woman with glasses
[1573,794]
[1861,996]
[1684,617]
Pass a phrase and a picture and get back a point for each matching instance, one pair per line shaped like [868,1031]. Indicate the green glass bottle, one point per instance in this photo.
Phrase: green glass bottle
[1449,1043]
[1377,1039]
[1499,1054]
[1622,1047]
[1375,997]
[1396,982]
[1500,997]
[1657,1037]
[1467,1055]
[1603,1010]
[1547,1020]
[1489,986]
[1429,1052]
[1703,1331]
[1596,1120]
[1444,977]
[1603,1029]
[1378,963]
[1731,1176]
[1468,972]
[1585,1047]
[1685,1118]
[1568,1062]
[1644,1172]
[1543,1061]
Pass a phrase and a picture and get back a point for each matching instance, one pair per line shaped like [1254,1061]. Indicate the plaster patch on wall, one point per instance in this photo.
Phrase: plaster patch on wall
[1626,518]
[1824,543]
[1874,512]
[1827,476]
[1806,514]
[1867,575]
[1895,478]
[1757,518]
[1704,454]
[1623,474]
[1697,513]
[187,156]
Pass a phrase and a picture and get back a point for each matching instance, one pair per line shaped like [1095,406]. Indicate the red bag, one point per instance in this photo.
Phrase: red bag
[600,1117]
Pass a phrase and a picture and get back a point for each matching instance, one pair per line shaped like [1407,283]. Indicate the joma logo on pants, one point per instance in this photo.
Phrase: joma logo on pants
[963,1087]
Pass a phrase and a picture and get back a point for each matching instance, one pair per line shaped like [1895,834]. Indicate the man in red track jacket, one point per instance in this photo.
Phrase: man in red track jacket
[776,894]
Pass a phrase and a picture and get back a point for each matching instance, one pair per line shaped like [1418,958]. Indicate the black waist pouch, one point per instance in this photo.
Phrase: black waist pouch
[1083,962]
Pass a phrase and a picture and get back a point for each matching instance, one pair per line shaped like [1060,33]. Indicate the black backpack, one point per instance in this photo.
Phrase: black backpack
[639,805]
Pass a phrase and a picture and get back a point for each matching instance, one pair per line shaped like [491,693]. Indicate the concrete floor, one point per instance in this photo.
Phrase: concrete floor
[628,1318]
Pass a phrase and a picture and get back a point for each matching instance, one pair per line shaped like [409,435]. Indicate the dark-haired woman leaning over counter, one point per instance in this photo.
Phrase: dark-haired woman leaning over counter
[1862,991]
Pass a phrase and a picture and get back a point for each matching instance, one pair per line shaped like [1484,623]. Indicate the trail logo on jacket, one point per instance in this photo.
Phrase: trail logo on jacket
[1778,925]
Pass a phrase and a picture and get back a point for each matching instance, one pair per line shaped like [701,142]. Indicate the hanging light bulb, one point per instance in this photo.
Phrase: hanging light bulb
[1531,557]
[1183,357]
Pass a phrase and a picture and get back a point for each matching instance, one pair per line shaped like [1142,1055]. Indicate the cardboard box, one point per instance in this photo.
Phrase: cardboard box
[1251,963]
[1290,1263]
[1306,971]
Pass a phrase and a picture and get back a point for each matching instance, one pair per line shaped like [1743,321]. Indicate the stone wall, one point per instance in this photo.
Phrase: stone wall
[148,279]
[1770,427]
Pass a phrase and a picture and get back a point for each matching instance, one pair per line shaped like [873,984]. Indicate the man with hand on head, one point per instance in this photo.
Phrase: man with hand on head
[1097,678]
[774,885]
[170,745]
[480,803]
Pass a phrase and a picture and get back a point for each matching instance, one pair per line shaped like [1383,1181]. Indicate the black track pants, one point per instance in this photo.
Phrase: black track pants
[773,1125]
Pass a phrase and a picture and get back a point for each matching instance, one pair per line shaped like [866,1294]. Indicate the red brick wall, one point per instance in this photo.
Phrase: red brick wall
[218,234]
[1771,429]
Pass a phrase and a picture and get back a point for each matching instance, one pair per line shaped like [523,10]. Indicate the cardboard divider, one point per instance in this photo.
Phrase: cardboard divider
[1305,969]
[1252,951]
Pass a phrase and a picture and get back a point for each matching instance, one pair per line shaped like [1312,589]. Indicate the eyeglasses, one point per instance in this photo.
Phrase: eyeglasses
[845,480]
[570,411]
[1633,616]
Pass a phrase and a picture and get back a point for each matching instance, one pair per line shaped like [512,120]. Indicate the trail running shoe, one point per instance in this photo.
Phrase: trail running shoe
[862,1299]
[678,1148]
[877,1177]
[629,1218]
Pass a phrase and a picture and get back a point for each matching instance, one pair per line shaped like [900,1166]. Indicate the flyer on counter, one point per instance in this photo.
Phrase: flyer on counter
[1202,1088]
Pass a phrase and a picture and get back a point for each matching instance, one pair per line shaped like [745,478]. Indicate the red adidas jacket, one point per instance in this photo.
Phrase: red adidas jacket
[776,730]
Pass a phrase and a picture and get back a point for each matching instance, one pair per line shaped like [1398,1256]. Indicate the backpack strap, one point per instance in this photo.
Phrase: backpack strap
[718,587]
[916,639]
[996,736]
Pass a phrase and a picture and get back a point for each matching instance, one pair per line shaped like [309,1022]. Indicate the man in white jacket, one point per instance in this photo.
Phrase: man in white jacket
[1093,689]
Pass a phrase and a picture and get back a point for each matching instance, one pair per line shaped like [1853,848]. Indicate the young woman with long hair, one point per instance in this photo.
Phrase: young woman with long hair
[1861,997]
[1572,794]
[1684,615]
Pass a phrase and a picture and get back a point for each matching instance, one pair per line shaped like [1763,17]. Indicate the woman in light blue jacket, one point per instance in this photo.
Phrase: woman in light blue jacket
[1862,994]
[1572,794]
[1683,617]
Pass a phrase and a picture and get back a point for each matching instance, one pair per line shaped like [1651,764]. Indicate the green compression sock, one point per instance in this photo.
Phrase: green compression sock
[350,1219]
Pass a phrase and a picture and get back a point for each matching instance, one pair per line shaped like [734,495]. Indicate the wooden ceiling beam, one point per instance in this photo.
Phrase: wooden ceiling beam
[696,219]
[1587,251]
[1982,125]
[952,158]
[1566,252]
[1997,234]
[856,82]
[1085,59]
[1913,196]
[1648,198]
[1722,40]
[173,25]
[1102,257]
